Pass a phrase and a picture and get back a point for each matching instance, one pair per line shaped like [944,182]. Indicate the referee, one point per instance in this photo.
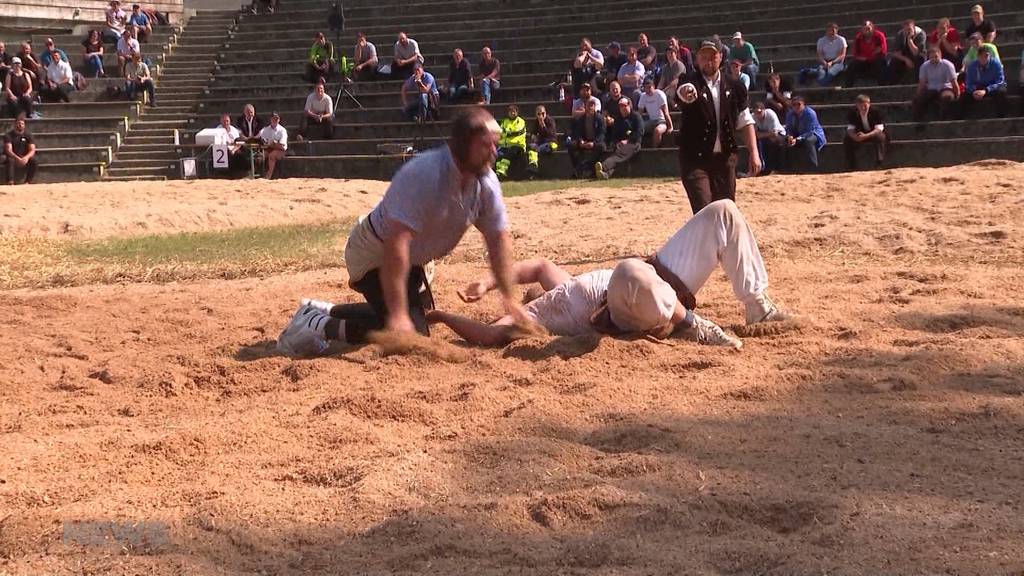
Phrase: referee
[713,108]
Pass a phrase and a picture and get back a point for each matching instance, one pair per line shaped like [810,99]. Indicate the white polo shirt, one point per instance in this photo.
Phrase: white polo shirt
[271,135]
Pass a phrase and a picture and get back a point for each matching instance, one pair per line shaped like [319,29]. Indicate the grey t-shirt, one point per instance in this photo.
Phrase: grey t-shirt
[407,51]
[938,76]
[670,73]
[831,48]
[319,106]
[365,53]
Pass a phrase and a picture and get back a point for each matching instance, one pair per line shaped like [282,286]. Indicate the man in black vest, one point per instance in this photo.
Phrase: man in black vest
[713,108]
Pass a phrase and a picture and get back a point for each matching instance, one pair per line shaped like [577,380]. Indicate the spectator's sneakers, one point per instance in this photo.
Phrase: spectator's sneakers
[599,171]
[303,336]
[708,333]
[319,305]
[762,309]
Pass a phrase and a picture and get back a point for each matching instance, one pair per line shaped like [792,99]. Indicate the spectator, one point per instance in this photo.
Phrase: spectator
[318,116]
[631,74]
[587,63]
[407,56]
[460,77]
[985,27]
[18,90]
[490,74]
[671,71]
[984,80]
[722,48]
[30,64]
[908,53]
[20,150]
[805,136]
[117,20]
[138,79]
[92,54]
[831,58]
[126,47]
[229,136]
[614,59]
[275,143]
[586,141]
[269,5]
[579,105]
[735,71]
[141,24]
[417,92]
[972,52]
[610,106]
[947,39]
[936,81]
[745,53]
[320,62]
[869,49]
[5,61]
[771,137]
[654,105]
[249,124]
[646,53]
[627,134]
[778,91]
[512,144]
[365,59]
[543,138]
[60,80]
[47,56]
[682,53]
[864,126]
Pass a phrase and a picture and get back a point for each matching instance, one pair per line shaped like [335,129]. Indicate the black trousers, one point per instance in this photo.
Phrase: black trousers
[850,146]
[30,170]
[313,130]
[20,105]
[924,101]
[583,160]
[967,102]
[709,180]
[361,319]
[861,68]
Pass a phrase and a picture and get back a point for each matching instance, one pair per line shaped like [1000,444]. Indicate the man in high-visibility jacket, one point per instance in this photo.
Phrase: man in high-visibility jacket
[320,62]
[512,145]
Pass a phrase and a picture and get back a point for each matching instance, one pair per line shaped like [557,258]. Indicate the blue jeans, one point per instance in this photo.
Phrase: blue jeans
[486,86]
[751,70]
[95,64]
[133,89]
[456,92]
[417,108]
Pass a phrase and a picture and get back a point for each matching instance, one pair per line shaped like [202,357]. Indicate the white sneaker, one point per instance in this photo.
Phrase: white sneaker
[320,305]
[762,309]
[708,333]
[302,337]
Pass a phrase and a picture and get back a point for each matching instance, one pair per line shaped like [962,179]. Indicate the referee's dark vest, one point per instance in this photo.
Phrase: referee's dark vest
[697,133]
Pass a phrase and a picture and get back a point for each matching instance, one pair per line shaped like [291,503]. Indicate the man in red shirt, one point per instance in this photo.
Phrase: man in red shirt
[869,50]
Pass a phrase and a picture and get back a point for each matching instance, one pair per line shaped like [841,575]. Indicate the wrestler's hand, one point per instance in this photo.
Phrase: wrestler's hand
[473,292]
[754,167]
[518,313]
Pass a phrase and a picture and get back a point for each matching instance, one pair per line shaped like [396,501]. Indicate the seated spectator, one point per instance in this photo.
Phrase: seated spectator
[645,53]
[586,141]
[18,90]
[627,134]
[631,75]
[805,136]
[417,92]
[831,58]
[269,6]
[512,143]
[117,21]
[587,63]
[365,60]
[936,82]
[869,49]
[683,54]
[735,71]
[984,26]
[654,105]
[543,138]
[275,143]
[489,74]
[249,124]
[908,52]
[5,61]
[579,105]
[984,80]
[947,40]
[317,116]
[126,47]
[230,136]
[745,53]
[407,56]
[972,51]
[722,48]
[60,80]
[460,77]
[320,61]
[92,55]
[778,91]
[20,152]
[141,24]
[771,137]
[670,72]
[30,64]
[47,56]
[614,59]
[138,79]
[610,106]
[864,126]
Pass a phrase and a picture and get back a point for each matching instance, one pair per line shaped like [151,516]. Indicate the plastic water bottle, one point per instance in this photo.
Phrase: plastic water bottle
[561,93]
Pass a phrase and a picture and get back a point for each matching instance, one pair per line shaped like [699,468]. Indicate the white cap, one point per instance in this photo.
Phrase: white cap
[15,60]
[737,36]
[638,299]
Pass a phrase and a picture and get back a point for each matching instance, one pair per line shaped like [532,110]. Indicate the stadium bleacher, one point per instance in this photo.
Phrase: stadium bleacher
[223,60]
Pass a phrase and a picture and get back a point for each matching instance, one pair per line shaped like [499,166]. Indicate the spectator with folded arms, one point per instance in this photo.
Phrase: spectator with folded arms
[631,75]
[92,54]
[249,124]
[984,80]
[771,137]
[947,40]
[864,126]
[805,136]
[831,50]
[869,49]
[460,77]
[646,53]
[908,51]
[936,82]
[365,59]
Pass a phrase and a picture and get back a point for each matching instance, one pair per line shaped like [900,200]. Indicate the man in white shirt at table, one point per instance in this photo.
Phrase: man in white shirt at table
[275,143]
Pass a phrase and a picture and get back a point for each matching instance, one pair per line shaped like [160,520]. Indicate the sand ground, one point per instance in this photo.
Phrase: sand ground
[884,437]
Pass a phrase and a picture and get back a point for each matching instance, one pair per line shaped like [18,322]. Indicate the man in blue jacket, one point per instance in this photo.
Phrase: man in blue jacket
[805,134]
[984,79]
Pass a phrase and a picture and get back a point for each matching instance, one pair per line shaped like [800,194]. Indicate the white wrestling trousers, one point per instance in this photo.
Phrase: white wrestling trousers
[717,235]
